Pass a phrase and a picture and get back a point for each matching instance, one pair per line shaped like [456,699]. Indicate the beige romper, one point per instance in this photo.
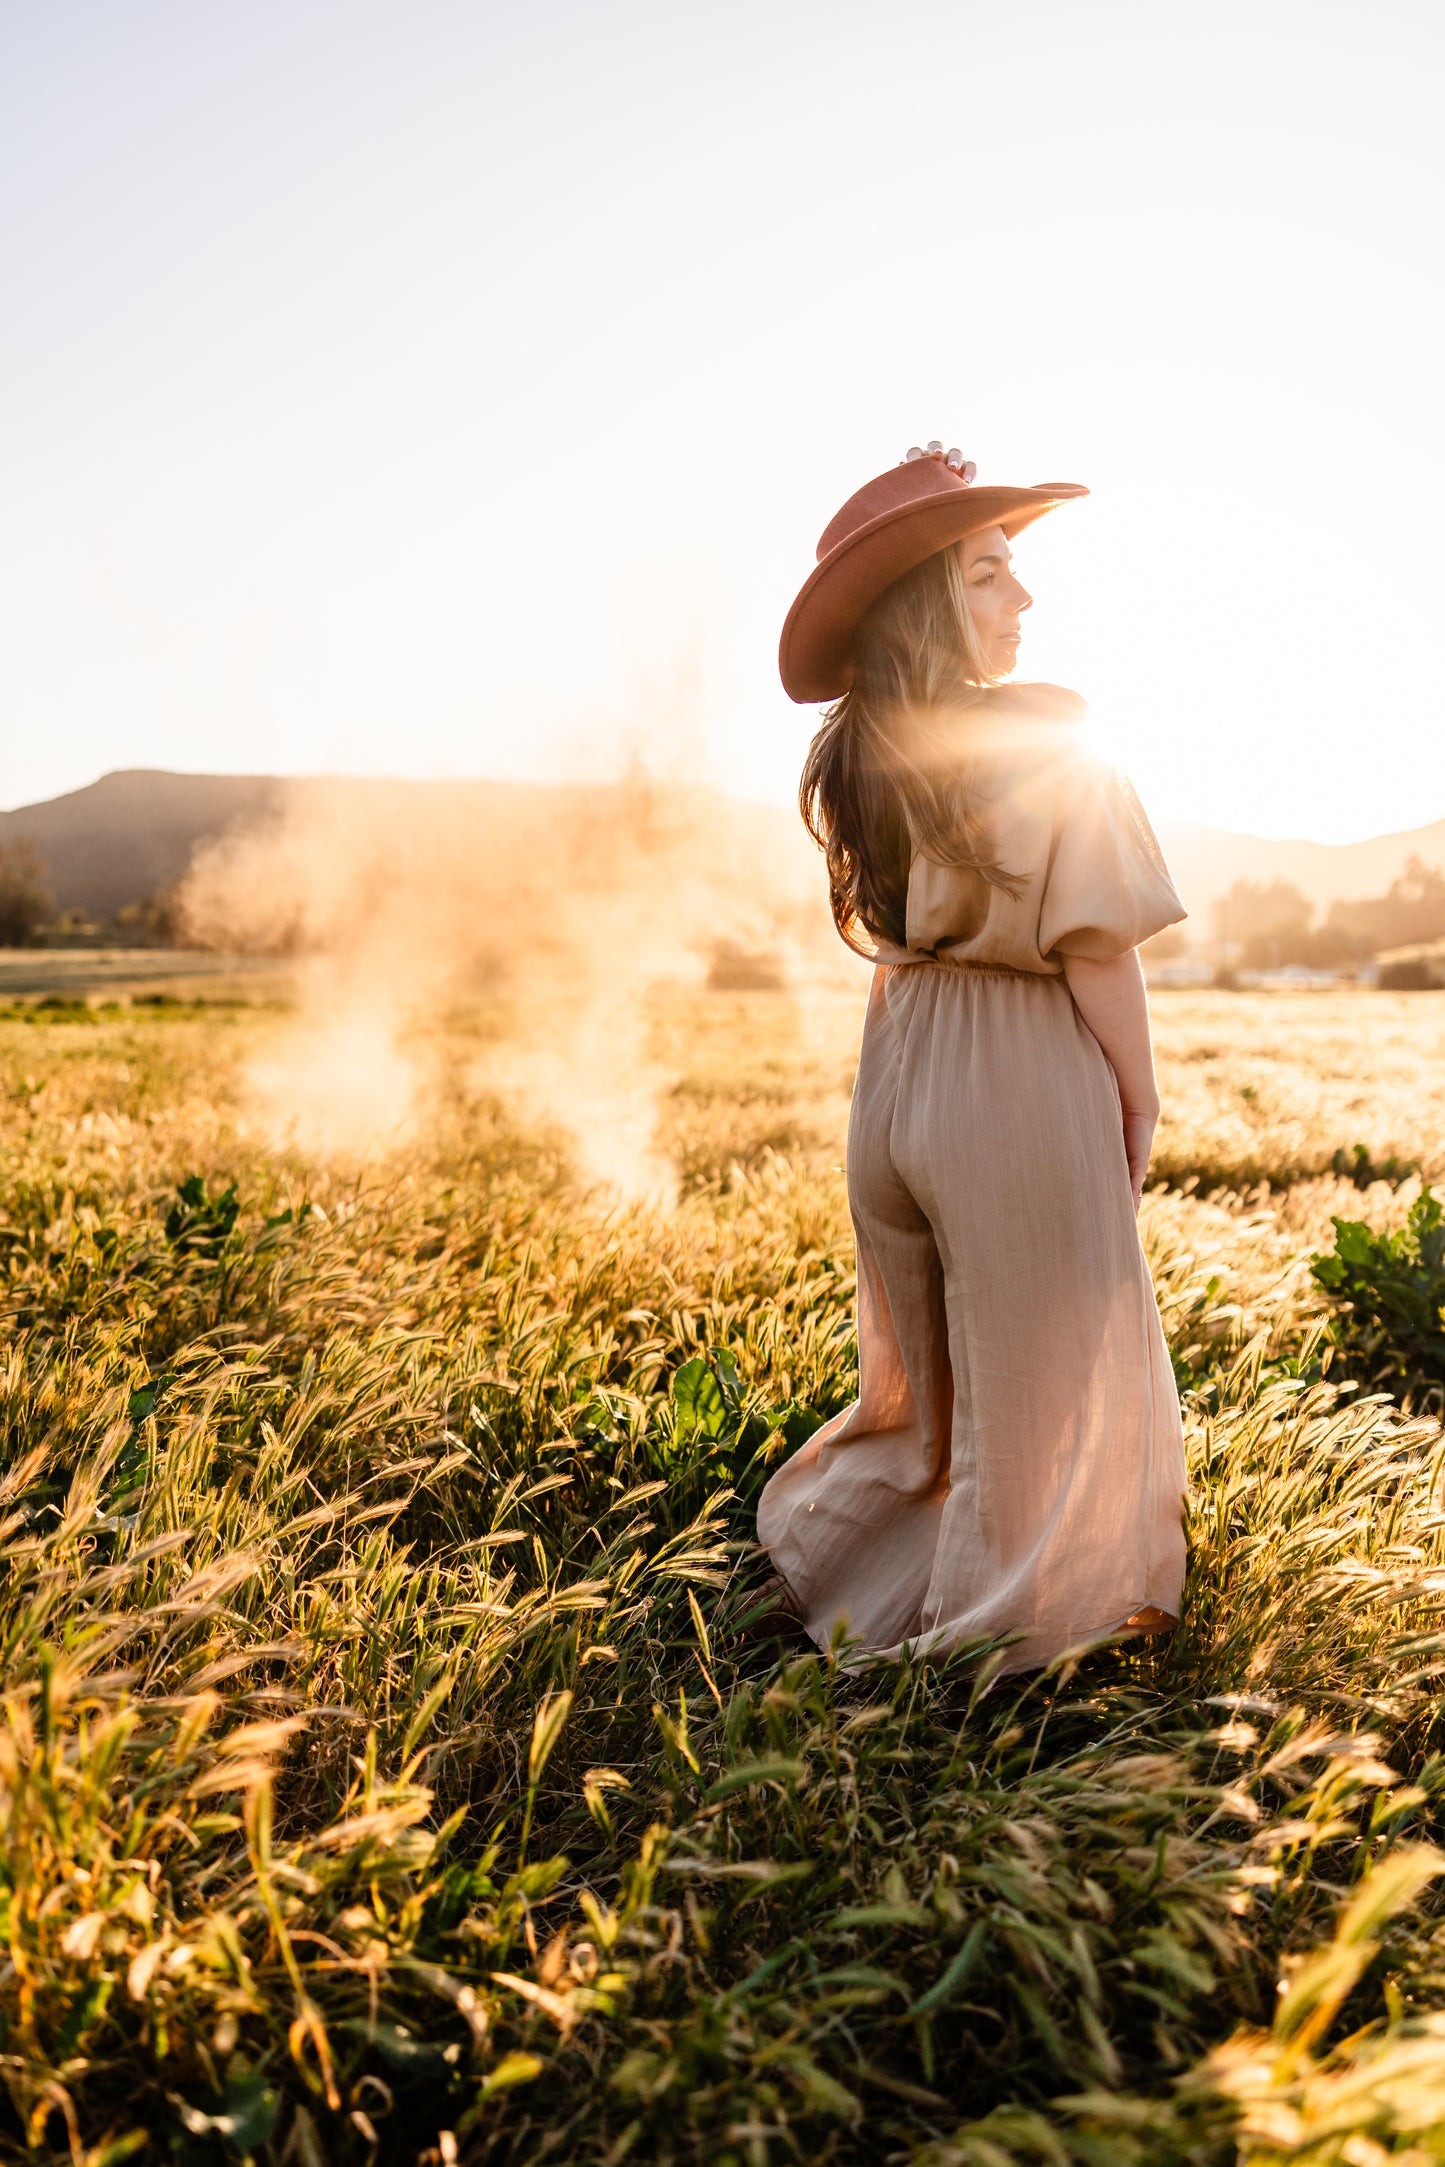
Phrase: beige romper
[1014,1461]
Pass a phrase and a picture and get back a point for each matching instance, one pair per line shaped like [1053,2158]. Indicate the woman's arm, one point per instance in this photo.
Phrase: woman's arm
[1111,999]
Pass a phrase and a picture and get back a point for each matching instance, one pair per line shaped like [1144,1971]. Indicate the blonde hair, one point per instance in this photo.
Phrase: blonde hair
[886,774]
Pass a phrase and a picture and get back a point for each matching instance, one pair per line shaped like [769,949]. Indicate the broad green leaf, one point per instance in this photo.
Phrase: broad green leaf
[697,1396]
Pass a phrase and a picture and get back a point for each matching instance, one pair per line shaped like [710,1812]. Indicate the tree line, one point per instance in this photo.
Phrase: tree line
[1262,925]
[29,913]
[1257,926]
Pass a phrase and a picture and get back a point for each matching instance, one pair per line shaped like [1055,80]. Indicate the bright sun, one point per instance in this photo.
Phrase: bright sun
[1099,735]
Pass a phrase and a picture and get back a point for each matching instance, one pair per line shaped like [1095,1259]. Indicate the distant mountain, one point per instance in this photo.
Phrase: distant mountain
[1206,862]
[134,833]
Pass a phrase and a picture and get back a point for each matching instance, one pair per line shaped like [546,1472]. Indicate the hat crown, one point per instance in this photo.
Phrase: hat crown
[912,481]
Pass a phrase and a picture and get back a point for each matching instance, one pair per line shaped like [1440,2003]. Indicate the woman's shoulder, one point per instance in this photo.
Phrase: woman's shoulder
[1037,703]
[1034,734]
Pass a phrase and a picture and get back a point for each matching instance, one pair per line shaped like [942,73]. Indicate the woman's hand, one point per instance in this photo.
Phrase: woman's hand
[1113,1003]
[1139,1125]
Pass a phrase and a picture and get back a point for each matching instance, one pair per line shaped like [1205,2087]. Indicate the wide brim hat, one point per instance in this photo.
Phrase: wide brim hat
[922,505]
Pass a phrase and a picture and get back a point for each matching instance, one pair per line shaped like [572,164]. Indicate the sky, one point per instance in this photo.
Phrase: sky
[453,389]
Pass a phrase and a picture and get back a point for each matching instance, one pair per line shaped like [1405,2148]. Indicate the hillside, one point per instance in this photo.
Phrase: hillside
[1207,861]
[134,833]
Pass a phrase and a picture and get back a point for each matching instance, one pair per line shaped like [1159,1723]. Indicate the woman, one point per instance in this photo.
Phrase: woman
[1014,1462]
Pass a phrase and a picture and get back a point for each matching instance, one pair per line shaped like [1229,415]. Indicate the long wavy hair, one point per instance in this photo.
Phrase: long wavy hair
[888,774]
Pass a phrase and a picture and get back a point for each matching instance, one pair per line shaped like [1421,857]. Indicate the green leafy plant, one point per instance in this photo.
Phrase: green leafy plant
[1388,1294]
[1360,1166]
[199,1222]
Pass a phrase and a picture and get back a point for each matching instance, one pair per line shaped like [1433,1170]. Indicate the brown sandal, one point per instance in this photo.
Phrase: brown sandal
[1150,1620]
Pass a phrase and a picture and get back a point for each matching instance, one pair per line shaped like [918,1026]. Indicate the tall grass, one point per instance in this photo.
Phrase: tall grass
[381,1779]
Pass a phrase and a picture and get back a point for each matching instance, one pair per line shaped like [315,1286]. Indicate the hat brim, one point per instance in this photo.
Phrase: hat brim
[815,652]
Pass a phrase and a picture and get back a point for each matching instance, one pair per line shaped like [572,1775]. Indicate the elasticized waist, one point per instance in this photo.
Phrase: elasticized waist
[962,964]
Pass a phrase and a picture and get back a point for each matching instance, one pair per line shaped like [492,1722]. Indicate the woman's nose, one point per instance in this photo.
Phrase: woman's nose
[1023,599]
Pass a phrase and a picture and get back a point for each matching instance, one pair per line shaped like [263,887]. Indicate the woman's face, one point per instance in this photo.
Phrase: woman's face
[996,600]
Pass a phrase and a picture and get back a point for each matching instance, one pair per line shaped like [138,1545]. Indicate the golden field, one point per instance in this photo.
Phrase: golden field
[380,1775]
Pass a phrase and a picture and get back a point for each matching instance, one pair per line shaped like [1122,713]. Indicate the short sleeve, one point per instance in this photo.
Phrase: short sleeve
[1106,887]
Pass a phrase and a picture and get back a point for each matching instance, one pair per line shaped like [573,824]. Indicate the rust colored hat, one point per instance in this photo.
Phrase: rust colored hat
[922,505]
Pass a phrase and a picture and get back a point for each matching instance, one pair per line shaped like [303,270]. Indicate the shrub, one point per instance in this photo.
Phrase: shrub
[1388,1293]
[1360,1166]
[26,901]
[1413,975]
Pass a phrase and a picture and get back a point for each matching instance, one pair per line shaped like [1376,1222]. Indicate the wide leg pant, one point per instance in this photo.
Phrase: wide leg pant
[1014,1461]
